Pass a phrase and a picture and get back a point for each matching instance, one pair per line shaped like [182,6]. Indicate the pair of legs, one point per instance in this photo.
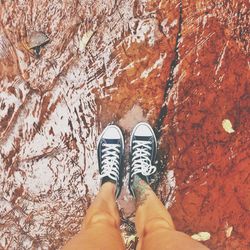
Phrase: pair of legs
[154,224]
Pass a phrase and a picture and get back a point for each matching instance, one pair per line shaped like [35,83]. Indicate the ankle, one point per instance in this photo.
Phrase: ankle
[141,190]
[109,186]
[138,182]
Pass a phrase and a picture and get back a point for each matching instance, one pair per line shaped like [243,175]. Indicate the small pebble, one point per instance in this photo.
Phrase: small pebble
[201,236]
[227,125]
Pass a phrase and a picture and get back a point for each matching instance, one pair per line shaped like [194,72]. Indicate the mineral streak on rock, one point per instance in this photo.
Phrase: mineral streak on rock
[181,65]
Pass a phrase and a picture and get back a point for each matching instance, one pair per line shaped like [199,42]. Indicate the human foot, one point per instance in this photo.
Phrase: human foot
[110,155]
[143,148]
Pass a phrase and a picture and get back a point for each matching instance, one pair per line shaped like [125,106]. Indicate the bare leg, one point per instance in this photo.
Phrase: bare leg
[100,228]
[154,224]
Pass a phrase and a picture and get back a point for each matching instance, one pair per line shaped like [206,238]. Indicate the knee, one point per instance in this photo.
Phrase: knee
[103,218]
[156,225]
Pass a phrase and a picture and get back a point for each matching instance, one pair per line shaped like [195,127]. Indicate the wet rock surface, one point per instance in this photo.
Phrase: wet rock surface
[181,65]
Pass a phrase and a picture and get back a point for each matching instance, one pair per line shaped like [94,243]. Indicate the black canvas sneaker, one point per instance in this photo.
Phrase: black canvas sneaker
[143,148]
[110,156]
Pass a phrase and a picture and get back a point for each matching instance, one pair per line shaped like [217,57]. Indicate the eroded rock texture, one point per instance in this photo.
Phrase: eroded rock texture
[181,65]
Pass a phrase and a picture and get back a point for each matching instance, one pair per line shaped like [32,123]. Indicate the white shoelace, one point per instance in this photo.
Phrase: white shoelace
[141,162]
[110,161]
